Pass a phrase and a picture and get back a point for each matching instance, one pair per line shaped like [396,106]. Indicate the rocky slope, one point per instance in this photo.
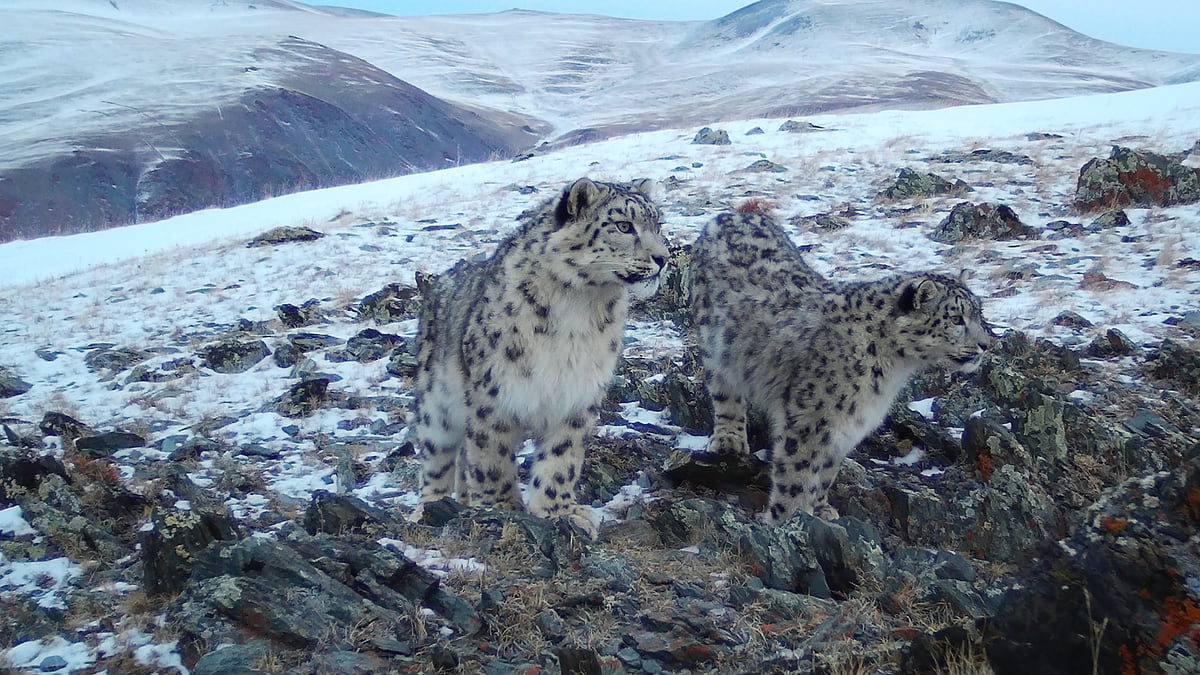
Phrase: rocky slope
[204,462]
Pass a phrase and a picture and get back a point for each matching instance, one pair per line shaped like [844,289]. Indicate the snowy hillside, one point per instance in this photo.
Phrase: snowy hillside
[107,327]
[122,112]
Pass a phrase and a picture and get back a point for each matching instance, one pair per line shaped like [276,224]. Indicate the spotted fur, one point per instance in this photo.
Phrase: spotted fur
[522,345]
[823,359]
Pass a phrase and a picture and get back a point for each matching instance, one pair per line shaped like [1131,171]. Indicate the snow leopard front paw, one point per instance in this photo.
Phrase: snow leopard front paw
[728,444]
[826,512]
[585,517]
[581,515]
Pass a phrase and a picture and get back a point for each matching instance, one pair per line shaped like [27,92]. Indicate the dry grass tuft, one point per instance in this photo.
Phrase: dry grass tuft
[756,206]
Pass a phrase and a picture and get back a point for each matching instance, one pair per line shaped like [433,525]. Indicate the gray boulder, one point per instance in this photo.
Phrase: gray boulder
[913,184]
[981,221]
[11,385]
[234,354]
[709,136]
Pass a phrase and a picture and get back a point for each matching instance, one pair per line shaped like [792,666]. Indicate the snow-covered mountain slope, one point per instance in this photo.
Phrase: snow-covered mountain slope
[772,58]
[127,111]
[114,116]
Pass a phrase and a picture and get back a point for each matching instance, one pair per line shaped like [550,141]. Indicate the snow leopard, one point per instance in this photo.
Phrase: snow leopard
[822,359]
[523,345]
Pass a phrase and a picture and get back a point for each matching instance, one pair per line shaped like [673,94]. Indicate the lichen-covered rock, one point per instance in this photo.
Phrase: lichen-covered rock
[369,345]
[110,360]
[803,555]
[673,299]
[340,514]
[308,313]
[1120,593]
[234,354]
[1112,344]
[105,444]
[65,427]
[796,127]
[766,166]
[988,445]
[1135,178]
[1038,423]
[1111,219]
[709,136]
[985,155]
[166,371]
[914,184]
[304,397]
[22,472]
[91,514]
[171,539]
[235,659]
[1175,362]
[828,222]
[404,360]
[981,221]
[283,235]
[11,385]
[393,302]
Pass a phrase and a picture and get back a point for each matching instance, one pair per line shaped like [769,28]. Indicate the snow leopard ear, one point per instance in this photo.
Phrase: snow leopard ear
[576,198]
[644,186]
[919,295]
[425,282]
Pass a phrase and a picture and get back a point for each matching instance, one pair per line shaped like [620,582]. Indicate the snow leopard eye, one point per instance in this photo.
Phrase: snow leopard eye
[624,226]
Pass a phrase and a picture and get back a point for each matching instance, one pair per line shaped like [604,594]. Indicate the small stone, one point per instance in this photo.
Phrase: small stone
[950,565]
[578,661]
[1114,343]
[52,663]
[444,659]
[550,624]
[369,345]
[1111,219]
[1071,319]
[1149,423]
[630,657]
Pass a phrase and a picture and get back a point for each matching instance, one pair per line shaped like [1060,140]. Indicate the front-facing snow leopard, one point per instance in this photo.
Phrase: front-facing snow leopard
[822,359]
[523,344]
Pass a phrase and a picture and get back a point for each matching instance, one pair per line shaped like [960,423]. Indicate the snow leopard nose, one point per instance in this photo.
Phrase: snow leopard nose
[659,260]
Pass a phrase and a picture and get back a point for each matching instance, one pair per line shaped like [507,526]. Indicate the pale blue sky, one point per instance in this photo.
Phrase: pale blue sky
[1154,24]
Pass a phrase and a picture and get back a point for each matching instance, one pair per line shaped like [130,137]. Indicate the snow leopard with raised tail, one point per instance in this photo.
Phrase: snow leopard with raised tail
[822,359]
[523,345]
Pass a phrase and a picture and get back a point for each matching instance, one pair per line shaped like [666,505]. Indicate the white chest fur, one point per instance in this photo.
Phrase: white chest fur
[567,366]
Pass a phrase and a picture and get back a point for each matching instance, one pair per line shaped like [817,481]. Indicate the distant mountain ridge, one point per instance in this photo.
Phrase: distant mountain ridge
[132,110]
